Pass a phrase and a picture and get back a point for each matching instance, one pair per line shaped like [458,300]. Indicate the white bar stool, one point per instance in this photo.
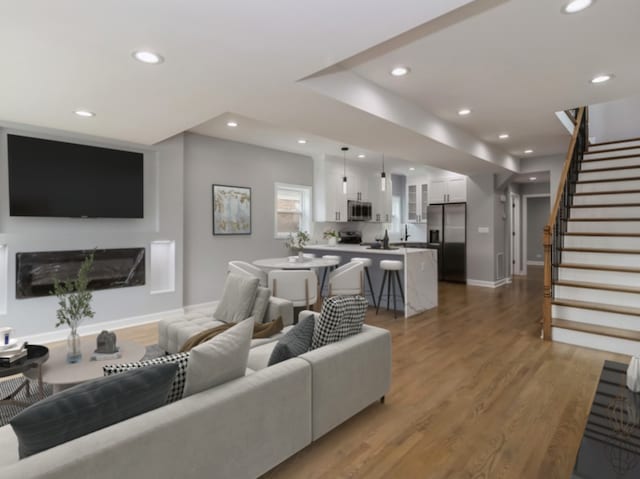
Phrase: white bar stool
[390,268]
[366,262]
[330,268]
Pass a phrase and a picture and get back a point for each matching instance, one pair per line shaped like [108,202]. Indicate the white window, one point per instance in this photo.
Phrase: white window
[293,209]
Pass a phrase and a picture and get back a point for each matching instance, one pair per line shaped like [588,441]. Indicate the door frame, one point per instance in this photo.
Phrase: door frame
[525,207]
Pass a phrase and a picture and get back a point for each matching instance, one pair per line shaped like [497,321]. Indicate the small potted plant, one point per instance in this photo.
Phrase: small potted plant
[74,301]
[332,236]
[297,241]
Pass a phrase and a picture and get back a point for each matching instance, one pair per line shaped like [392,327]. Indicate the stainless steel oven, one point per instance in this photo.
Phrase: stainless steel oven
[358,210]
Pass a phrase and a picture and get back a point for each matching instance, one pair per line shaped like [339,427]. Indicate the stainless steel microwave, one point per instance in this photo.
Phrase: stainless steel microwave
[358,210]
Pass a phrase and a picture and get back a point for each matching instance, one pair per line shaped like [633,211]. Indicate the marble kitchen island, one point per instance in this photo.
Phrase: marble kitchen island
[420,272]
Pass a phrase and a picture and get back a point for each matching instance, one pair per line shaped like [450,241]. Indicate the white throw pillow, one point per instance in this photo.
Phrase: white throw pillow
[237,299]
[261,304]
[220,359]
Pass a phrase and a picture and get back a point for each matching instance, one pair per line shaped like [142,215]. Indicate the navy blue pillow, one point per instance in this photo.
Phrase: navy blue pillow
[91,406]
[297,341]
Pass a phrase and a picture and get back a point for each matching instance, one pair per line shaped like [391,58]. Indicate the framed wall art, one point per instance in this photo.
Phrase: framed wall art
[231,210]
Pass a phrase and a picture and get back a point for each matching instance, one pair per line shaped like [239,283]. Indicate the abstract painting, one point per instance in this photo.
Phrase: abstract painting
[231,210]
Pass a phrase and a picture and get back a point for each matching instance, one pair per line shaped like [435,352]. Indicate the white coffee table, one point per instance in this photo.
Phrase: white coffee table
[62,375]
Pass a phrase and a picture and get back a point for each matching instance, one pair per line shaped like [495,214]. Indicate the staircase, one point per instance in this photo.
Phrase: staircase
[595,275]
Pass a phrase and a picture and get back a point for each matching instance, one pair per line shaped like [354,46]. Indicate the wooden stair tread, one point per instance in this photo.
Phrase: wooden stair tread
[598,267]
[621,148]
[610,192]
[601,286]
[611,168]
[601,250]
[601,219]
[631,178]
[596,329]
[607,205]
[610,308]
[613,235]
[613,142]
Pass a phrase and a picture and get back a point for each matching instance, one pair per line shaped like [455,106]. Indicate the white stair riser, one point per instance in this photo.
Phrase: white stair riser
[617,298]
[602,259]
[609,212]
[592,155]
[619,278]
[600,318]
[612,199]
[608,186]
[607,175]
[594,165]
[608,242]
[603,226]
[611,146]
[596,341]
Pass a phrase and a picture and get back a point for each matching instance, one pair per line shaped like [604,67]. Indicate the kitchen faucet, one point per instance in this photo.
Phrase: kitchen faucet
[406,233]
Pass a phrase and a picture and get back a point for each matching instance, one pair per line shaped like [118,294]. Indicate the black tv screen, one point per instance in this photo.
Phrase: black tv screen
[55,178]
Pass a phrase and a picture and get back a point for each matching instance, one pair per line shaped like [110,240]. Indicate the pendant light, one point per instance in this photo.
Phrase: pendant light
[344,177]
[383,177]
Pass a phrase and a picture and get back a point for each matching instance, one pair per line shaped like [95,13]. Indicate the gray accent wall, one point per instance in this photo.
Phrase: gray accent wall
[163,213]
[480,213]
[214,161]
[537,217]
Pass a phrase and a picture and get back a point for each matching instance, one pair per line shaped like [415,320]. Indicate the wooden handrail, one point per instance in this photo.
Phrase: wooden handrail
[548,229]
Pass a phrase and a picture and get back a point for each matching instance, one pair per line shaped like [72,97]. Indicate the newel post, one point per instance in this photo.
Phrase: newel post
[546,304]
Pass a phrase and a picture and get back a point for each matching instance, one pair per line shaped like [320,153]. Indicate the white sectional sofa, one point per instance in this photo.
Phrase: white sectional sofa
[240,429]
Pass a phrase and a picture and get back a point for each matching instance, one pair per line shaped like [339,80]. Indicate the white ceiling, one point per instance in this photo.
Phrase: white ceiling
[512,62]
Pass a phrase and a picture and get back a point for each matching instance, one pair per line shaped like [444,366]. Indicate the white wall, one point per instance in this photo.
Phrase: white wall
[213,161]
[480,213]
[552,164]
[163,196]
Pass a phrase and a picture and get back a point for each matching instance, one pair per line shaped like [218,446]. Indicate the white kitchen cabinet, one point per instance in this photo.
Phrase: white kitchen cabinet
[381,201]
[448,190]
[417,199]
[329,202]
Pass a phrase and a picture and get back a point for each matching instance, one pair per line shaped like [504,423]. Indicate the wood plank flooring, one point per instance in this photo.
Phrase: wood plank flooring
[475,394]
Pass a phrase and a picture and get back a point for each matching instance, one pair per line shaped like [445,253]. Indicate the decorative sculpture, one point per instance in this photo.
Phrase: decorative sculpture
[106,343]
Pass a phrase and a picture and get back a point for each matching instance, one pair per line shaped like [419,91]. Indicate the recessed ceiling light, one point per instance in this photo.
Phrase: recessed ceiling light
[464,112]
[302,141]
[503,136]
[232,124]
[576,6]
[532,178]
[400,71]
[84,113]
[145,56]
[412,169]
[528,152]
[362,155]
[602,78]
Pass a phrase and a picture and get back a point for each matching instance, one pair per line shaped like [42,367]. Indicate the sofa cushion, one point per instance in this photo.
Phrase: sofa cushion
[296,342]
[340,317]
[220,359]
[177,387]
[261,304]
[259,356]
[90,406]
[237,299]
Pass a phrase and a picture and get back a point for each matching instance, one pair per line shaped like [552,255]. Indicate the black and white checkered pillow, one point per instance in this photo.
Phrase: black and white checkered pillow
[341,316]
[181,359]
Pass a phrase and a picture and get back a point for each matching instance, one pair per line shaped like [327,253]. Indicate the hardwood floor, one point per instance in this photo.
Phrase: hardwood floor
[475,394]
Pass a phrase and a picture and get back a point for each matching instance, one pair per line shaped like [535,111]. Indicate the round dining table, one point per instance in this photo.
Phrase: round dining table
[286,263]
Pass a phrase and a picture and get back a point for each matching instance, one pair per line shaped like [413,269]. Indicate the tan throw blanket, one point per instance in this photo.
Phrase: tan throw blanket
[260,330]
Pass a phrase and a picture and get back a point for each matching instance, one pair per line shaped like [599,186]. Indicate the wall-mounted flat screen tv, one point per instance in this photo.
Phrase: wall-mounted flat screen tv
[55,178]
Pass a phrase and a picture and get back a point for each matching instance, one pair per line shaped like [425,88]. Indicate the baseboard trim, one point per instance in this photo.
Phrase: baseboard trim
[61,333]
[535,263]
[488,284]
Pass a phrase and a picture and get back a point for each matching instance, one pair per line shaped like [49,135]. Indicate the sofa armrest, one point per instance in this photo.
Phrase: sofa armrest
[280,307]
[347,376]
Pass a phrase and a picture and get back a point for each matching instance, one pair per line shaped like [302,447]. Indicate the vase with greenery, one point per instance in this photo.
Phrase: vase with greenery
[297,241]
[332,236]
[74,301]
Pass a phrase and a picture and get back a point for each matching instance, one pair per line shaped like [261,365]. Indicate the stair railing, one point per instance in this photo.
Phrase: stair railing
[557,224]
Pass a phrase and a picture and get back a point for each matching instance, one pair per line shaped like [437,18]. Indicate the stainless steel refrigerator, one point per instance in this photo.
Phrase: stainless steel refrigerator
[447,225]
